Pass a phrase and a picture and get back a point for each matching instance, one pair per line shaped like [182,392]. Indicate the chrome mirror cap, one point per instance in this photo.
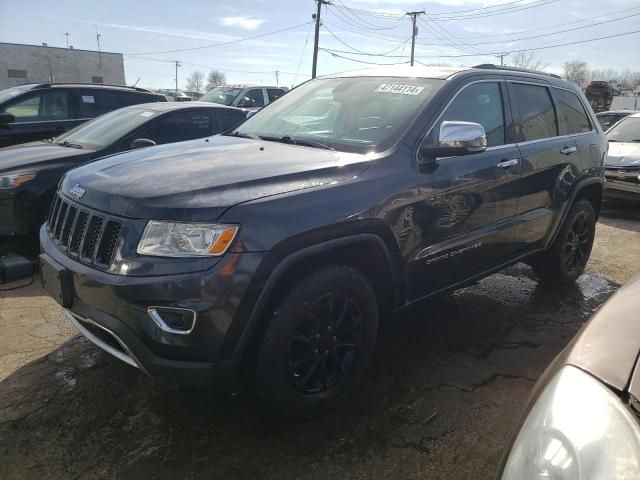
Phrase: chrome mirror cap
[468,136]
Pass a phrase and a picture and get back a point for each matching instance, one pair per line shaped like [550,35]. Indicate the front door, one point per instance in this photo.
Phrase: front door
[464,215]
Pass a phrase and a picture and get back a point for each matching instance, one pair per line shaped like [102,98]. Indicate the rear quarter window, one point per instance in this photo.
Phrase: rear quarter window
[572,116]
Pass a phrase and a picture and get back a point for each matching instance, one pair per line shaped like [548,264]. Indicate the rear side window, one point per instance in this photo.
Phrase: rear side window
[274,94]
[45,106]
[137,98]
[536,117]
[229,120]
[178,127]
[94,103]
[571,114]
[479,103]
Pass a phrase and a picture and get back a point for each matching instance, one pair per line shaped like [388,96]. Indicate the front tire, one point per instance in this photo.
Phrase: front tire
[318,343]
[567,258]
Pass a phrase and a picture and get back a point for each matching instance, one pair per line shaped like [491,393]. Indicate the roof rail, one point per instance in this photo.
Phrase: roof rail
[491,66]
[86,84]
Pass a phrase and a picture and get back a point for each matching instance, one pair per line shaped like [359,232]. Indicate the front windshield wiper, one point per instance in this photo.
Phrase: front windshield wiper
[297,141]
[242,135]
[66,143]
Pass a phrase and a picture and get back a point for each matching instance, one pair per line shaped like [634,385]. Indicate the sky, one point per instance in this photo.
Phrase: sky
[454,32]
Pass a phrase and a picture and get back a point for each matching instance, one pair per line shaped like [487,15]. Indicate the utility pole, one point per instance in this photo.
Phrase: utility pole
[177,65]
[277,81]
[67,35]
[414,32]
[502,55]
[316,17]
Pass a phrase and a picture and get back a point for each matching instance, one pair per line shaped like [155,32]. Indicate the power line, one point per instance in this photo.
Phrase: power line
[304,49]
[552,33]
[546,47]
[361,61]
[381,54]
[483,14]
[231,42]
[364,22]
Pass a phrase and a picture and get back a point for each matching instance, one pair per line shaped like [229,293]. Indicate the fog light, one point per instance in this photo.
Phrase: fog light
[180,321]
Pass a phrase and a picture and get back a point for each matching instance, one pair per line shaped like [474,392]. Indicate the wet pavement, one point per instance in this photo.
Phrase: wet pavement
[448,382]
[446,387]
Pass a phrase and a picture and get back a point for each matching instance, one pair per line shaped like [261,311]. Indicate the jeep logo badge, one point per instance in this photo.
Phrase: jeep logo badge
[77,191]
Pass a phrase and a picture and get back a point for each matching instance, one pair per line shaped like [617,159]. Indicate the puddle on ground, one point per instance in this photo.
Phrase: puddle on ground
[593,287]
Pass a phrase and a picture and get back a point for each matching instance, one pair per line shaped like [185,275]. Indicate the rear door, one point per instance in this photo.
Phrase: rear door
[228,120]
[41,114]
[550,161]
[94,102]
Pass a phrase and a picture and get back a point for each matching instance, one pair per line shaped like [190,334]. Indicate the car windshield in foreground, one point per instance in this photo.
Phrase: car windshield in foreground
[221,95]
[106,129]
[628,130]
[360,114]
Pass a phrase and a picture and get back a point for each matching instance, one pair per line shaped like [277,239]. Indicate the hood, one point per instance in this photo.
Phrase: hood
[623,154]
[609,343]
[37,154]
[199,179]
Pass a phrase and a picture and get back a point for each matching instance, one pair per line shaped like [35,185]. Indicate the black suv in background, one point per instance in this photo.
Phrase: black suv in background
[29,173]
[36,111]
[279,245]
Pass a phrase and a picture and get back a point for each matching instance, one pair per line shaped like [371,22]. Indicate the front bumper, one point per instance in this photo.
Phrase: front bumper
[112,311]
[623,185]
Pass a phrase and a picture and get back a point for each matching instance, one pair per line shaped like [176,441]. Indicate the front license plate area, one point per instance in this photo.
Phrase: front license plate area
[56,280]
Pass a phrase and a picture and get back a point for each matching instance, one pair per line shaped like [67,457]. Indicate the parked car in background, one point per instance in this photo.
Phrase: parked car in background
[173,96]
[29,173]
[582,420]
[622,167]
[608,119]
[279,245]
[253,97]
[599,87]
[36,111]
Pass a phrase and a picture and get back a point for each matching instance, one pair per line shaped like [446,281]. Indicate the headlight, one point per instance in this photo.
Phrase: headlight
[577,430]
[173,239]
[15,180]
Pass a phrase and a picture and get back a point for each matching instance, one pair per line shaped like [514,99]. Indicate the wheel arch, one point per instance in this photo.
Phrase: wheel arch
[366,250]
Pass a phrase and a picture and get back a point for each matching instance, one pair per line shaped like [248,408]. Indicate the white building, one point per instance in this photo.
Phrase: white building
[42,64]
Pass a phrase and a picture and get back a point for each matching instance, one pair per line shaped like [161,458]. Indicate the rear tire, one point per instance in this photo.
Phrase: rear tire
[318,344]
[567,258]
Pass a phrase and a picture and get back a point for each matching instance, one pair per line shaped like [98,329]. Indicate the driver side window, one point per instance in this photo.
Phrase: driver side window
[253,98]
[479,103]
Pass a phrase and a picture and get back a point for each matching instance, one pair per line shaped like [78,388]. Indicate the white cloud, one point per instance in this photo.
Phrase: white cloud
[242,22]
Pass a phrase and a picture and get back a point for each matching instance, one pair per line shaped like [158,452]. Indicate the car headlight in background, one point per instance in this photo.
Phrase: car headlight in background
[176,239]
[15,180]
[577,430]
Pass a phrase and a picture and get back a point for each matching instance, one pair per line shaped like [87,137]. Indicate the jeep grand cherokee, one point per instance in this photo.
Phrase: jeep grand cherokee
[279,245]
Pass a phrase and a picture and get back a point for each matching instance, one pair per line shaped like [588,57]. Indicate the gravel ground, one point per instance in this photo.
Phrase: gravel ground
[448,382]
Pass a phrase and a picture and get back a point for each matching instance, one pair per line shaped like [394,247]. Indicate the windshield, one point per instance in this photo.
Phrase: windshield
[221,95]
[9,93]
[628,130]
[360,114]
[106,129]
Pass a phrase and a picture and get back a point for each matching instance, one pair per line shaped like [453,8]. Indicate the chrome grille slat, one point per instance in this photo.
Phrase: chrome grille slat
[89,236]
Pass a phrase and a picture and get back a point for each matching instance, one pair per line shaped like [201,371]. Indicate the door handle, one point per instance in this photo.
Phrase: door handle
[508,163]
[568,150]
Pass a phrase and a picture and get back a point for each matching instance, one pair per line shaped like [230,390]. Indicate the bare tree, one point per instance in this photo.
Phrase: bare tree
[604,74]
[577,71]
[528,60]
[215,78]
[195,82]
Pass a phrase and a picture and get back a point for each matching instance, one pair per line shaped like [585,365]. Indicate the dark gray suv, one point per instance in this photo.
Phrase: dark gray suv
[281,244]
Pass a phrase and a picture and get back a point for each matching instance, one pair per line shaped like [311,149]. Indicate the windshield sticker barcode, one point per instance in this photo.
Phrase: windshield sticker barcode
[403,89]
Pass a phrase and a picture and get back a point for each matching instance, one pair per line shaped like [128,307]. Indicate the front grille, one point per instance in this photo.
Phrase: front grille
[85,234]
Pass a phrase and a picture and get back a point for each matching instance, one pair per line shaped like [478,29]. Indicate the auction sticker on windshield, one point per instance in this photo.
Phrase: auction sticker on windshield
[403,89]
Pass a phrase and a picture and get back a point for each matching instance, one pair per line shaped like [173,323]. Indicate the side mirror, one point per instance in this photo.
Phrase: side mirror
[142,143]
[6,118]
[456,139]
[247,102]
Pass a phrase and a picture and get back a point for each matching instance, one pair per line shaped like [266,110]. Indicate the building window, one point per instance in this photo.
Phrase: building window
[97,80]
[22,74]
